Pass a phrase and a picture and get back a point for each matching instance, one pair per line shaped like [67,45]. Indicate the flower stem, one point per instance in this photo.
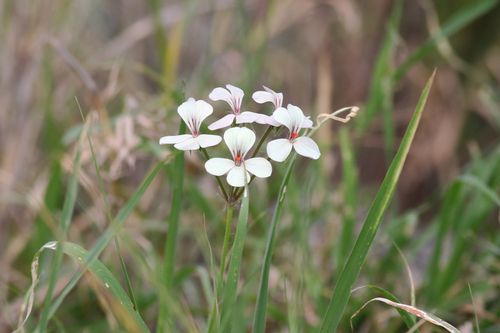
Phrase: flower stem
[226,197]
[224,249]
[264,136]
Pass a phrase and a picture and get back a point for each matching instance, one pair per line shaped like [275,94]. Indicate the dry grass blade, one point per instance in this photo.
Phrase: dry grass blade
[415,311]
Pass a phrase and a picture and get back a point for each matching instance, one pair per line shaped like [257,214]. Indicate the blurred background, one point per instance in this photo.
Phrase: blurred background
[130,60]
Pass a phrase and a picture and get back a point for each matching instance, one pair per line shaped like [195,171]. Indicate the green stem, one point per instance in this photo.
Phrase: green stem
[224,250]
[226,197]
[264,136]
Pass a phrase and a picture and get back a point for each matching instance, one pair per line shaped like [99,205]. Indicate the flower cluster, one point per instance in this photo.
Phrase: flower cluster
[240,139]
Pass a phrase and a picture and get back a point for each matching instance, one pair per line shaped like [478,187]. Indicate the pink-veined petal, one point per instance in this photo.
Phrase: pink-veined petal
[208,140]
[239,140]
[307,123]
[297,115]
[221,123]
[218,166]
[172,139]
[277,97]
[247,117]
[279,149]
[236,176]
[235,91]
[193,113]
[189,144]
[259,166]
[306,147]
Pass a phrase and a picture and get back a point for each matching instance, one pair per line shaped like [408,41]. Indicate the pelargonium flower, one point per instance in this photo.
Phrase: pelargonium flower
[269,95]
[233,96]
[239,140]
[293,118]
[193,113]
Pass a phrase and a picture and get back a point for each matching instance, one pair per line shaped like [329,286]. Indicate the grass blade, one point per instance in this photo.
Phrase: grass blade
[108,235]
[173,228]
[231,287]
[352,268]
[407,318]
[119,301]
[67,213]
[259,320]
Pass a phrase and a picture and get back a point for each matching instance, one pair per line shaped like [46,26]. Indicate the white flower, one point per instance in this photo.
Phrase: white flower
[193,113]
[233,96]
[269,95]
[239,140]
[293,118]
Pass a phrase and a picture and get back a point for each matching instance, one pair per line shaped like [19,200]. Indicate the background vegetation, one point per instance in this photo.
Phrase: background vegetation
[127,60]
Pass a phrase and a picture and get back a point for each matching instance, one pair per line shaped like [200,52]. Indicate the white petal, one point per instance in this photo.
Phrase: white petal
[218,166]
[236,92]
[208,140]
[220,94]
[263,119]
[278,97]
[224,122]
[247,117]
[271,121]
[296,114]
[259,166]
[307,123]
[282,116]
[239,140]
[189,144]
[262,97]
[306,147]
[236,177]
[169,140]
[193,113]
[278,150]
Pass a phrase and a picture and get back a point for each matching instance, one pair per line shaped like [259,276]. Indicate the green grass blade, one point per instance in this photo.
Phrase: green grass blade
[110,218]
[349,189]
[67,213]
[352,268]
[108,235]
[173,228]
[119,301]
[259,320]
[455,23]
[231,287]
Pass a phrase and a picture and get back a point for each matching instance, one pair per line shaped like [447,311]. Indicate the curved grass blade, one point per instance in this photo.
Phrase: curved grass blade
[407,318]
[413,310]
[231,287]
[106,237]
[259,320]
[67,213]
[119,301]
[352,268]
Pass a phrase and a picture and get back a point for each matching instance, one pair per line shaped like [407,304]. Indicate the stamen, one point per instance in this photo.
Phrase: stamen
[294,136]
[238,159]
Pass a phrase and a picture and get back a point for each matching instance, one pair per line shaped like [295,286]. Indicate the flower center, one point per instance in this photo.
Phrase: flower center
[293,136]
[237,160]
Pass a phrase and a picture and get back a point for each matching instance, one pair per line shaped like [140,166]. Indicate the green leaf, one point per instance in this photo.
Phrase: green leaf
[259,319]
[352,268]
